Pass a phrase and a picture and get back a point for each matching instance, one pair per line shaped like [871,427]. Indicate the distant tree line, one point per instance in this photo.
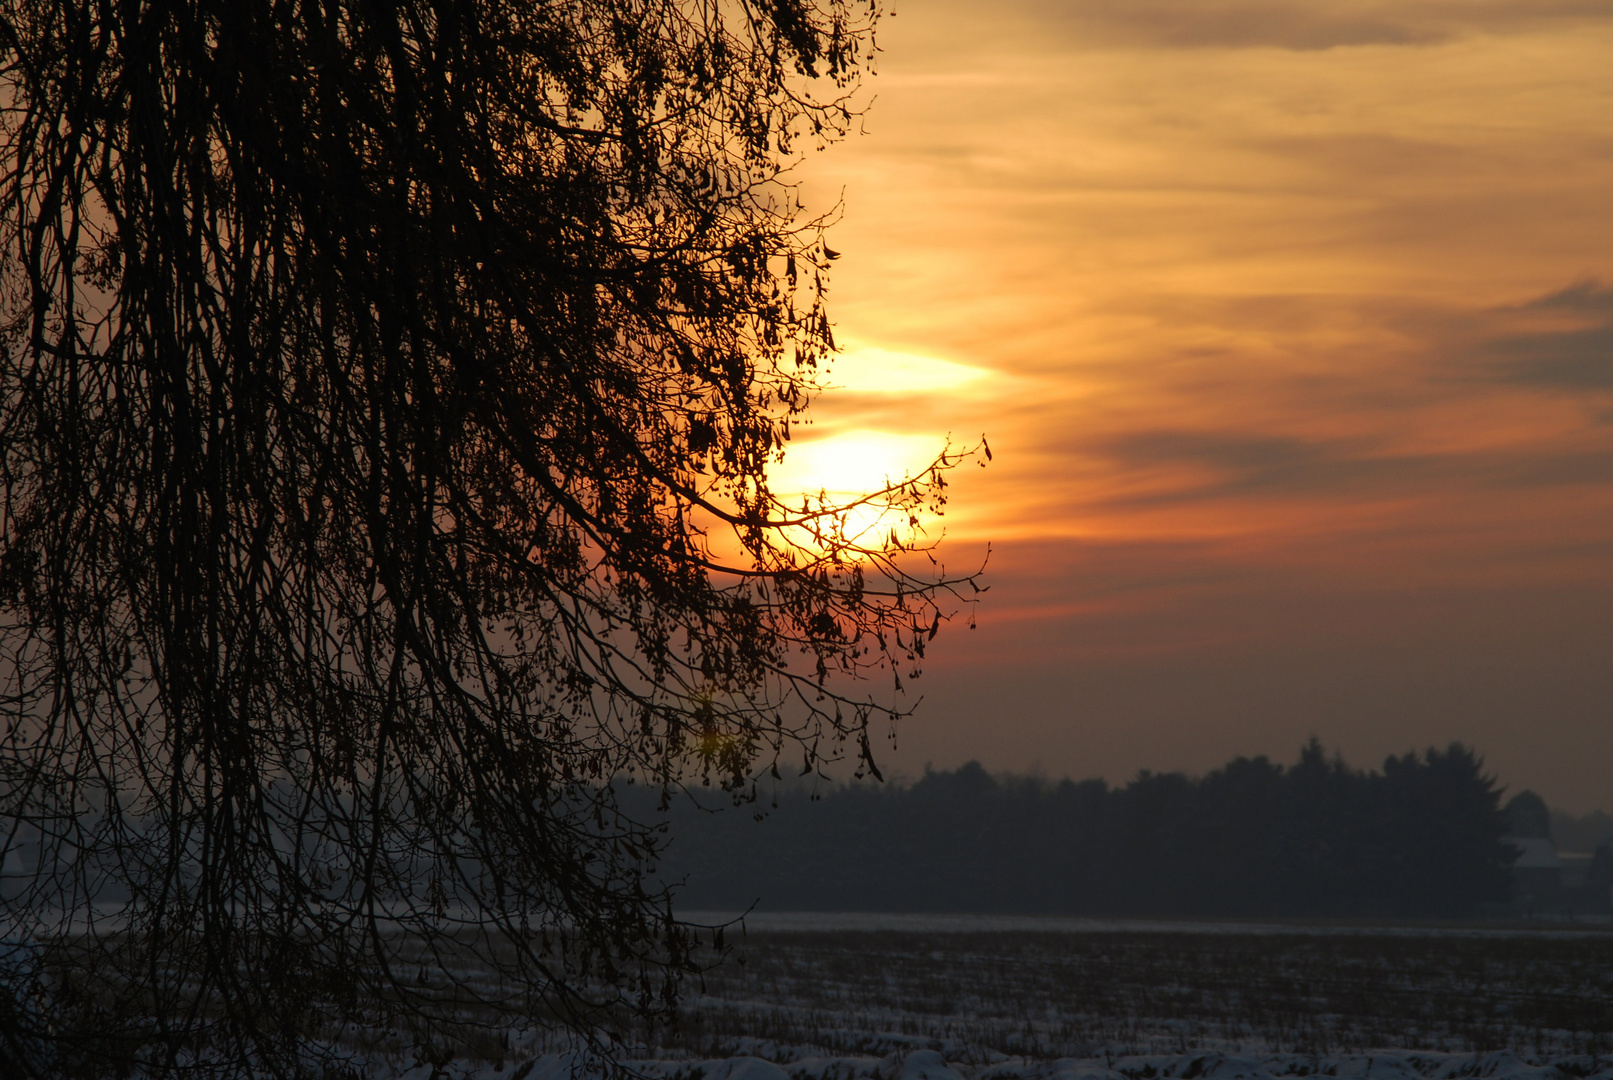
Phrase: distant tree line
[1420,838]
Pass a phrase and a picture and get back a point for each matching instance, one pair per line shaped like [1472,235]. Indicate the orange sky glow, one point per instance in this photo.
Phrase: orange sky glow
[1290,324]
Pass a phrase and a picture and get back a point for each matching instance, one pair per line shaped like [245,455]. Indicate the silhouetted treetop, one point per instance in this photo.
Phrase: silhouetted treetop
[1527,816]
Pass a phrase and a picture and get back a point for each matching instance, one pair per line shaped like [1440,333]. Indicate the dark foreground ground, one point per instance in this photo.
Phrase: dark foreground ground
[1109,992]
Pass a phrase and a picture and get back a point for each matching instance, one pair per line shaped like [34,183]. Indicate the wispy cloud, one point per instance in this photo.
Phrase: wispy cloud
[1578,358]
[1301,25]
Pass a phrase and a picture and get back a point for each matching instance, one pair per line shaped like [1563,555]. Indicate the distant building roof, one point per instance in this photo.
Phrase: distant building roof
[1535,853]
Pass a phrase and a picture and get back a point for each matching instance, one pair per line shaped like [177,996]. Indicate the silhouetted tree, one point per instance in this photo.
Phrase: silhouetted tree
[1442,832]
[1527,817]
[1231,837]
[1326,836]
[386,402]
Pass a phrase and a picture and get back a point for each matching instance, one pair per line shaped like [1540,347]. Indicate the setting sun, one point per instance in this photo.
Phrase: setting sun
[844,468]
[852,464]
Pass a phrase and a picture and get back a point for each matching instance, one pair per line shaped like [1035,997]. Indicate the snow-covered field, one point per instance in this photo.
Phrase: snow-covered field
[952,998]
[933,1065]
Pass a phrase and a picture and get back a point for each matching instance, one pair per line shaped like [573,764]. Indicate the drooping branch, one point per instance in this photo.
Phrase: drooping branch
[387,394]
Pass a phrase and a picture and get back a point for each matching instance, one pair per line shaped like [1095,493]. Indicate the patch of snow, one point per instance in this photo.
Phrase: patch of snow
[927,1065]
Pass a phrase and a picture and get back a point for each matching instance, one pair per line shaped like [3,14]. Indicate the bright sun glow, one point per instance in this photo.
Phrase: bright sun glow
[866,370]
[851,463]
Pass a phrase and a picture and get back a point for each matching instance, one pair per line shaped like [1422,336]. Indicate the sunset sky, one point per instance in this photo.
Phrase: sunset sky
[1291,328]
